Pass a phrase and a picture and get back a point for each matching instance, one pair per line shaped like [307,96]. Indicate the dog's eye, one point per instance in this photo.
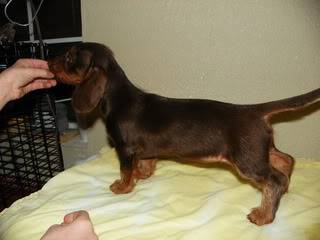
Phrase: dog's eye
[68,58]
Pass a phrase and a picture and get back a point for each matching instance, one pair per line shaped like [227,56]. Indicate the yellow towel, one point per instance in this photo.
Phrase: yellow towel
[179,202]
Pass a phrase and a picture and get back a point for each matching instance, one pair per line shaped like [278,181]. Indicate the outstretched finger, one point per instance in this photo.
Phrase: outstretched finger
[30,74]
[37,84]
[32,63]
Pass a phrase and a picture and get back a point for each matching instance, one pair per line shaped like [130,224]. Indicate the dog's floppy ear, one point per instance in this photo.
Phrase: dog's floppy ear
[88,93]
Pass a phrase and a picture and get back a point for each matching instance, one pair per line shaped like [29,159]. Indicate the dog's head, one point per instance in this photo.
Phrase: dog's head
[85,66]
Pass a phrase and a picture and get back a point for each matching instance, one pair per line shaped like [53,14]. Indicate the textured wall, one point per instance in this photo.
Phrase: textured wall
[234,51]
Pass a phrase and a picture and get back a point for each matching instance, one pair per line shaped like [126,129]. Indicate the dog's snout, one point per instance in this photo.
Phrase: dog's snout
[55,65]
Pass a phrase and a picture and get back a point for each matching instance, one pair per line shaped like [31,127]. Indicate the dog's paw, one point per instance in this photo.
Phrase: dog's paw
[119,187]
[260,216]
[145,169]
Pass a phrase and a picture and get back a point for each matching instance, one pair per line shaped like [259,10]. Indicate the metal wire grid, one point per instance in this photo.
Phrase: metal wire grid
[30,152]
[11,51]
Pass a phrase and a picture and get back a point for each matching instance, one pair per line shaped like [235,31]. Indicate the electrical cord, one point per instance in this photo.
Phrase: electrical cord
[37,24]
[21,24]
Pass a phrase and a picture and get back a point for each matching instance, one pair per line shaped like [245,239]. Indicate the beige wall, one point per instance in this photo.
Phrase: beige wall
[234,51]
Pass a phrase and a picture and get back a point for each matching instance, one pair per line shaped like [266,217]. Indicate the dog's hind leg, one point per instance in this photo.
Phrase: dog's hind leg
[272,182]
[282,162]
[272,190]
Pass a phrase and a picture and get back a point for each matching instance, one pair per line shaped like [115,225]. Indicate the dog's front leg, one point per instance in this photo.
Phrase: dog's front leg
[127,181]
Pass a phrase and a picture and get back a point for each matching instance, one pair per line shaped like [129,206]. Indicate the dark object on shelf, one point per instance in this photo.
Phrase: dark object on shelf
[7,32]
[30,152]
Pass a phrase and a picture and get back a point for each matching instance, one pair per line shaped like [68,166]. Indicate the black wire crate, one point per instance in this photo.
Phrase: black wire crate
[11,51]
[30,152]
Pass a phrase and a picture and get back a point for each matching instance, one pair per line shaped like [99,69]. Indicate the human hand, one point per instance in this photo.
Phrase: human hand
[75,226]
[24,76]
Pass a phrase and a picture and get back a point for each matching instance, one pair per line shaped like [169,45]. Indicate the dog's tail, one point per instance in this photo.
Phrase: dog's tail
[288,104]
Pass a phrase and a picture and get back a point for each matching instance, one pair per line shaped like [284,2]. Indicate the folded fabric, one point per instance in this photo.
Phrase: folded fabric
[179,202]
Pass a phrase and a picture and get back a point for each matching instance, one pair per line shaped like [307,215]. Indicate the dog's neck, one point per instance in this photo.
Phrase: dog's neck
[120,92]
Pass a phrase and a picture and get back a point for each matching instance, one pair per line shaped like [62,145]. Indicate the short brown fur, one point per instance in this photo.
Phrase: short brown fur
[144,127]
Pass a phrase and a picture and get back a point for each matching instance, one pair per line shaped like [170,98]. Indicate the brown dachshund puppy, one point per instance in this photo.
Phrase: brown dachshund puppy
[144,127]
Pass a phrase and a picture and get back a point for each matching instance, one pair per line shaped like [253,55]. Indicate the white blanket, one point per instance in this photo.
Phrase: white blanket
[178,202]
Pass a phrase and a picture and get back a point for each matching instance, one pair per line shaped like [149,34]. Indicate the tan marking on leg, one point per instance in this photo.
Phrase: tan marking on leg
[145,168]
[282,162]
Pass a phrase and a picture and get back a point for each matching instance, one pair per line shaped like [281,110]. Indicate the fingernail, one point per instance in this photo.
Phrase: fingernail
[50,75]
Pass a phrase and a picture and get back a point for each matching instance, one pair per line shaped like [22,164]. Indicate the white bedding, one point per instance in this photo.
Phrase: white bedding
[178,202]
